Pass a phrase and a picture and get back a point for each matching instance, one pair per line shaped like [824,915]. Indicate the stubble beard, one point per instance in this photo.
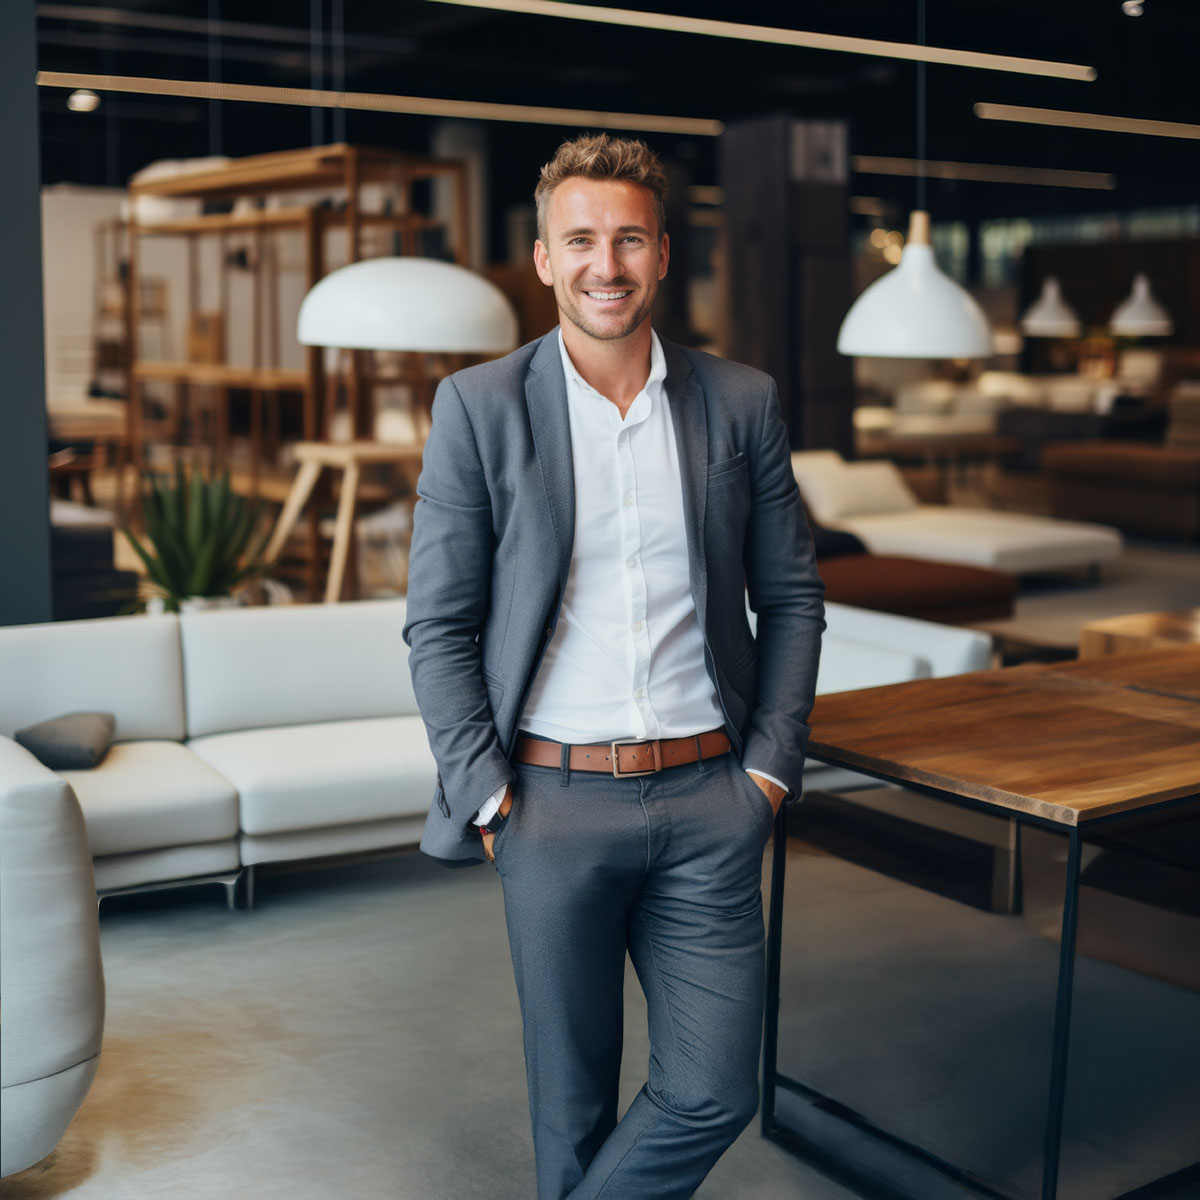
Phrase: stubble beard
[574,313]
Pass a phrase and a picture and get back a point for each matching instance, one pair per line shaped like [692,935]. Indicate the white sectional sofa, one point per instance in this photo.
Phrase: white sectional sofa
[242,736]
[271,734]
[871,500]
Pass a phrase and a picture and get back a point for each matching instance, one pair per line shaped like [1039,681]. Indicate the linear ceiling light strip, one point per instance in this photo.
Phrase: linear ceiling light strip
[1078,120]
[783,37]
[865,164]
[375,102]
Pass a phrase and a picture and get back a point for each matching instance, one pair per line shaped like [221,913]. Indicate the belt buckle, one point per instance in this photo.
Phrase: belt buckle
[616,763]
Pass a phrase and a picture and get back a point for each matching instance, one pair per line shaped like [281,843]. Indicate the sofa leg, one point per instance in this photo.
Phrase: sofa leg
[246,890]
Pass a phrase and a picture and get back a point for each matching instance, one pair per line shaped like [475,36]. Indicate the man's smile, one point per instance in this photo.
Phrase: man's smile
[598,295]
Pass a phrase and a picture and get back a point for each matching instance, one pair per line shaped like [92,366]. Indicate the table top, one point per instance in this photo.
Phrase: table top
[1067,742]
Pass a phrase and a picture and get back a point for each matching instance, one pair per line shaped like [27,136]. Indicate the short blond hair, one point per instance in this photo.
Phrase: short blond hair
[598,156]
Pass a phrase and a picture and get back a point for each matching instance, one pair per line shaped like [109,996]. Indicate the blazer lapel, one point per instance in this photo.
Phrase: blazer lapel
[546,399]
[690,419]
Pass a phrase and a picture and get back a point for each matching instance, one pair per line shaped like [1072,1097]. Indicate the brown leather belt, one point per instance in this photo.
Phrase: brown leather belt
[624,759]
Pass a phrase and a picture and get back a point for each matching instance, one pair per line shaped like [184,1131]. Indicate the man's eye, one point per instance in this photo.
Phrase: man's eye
[577,241]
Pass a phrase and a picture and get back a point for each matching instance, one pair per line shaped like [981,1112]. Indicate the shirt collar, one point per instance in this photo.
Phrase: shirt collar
[658,367]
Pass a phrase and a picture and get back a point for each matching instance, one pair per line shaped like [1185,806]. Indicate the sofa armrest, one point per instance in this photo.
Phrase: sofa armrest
[49,936]
[946,649]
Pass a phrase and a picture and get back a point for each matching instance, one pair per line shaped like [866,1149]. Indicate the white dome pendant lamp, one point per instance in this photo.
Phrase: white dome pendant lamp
[1140,314]
[1050,316]
[914,311]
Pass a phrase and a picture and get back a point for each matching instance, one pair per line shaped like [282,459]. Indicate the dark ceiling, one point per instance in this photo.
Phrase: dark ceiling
[1147,68]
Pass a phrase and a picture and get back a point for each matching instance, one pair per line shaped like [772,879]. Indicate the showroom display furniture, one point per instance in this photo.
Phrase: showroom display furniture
[49,960]
[1140,487]
[872,501]
[261,735]
[1139,631]
[242,736]
[1082,750]
[911,587]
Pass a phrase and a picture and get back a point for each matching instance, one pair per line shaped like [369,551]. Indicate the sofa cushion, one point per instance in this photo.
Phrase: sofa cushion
[330,773]
[128,666]
[847,665]
[73,741]
[146,795]
[257,668]
[834,543]
[853,488]
[914,587]
[986,538]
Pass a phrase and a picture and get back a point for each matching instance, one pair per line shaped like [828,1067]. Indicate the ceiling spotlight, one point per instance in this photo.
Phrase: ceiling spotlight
[83,100]
[1132,8]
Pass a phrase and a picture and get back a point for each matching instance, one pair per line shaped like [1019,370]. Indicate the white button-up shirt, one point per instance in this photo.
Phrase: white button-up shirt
[627,656]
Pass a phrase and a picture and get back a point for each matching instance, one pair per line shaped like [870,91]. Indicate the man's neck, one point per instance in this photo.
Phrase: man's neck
[617,369]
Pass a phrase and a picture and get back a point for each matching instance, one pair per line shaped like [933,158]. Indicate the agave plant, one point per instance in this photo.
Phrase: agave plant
[199,537]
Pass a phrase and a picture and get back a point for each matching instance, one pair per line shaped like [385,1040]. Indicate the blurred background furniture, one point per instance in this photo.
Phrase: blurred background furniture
[1139,631]
[50,965]
[349,458]
[872,501]
[338,203]
[1139,487]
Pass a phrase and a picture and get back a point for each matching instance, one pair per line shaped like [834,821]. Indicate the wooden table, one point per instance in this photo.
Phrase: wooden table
[349,458]
[1139,631]
[1076,747]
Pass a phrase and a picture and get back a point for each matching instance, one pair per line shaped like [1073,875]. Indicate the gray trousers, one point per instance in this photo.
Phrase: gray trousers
[667,867]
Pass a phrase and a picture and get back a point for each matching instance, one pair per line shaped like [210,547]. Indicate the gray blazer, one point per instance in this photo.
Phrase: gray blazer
[491,546]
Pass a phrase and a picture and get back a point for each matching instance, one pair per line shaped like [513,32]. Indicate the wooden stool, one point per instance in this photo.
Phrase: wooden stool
[347,457]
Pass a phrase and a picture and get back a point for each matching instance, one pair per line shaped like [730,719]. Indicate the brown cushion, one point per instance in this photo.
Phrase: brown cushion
[1125,462]
[916,587]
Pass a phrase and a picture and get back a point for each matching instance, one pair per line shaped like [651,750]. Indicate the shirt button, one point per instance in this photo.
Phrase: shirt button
[640,694]
[631,561]
[638,626]
[628,499]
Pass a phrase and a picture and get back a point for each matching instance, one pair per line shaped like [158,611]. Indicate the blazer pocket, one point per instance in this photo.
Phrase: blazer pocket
[726,470]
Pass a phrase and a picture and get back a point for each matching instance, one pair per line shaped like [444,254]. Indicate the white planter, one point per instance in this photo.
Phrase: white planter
[154,605]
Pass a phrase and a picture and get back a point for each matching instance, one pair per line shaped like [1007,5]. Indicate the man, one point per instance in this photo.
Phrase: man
[593,508]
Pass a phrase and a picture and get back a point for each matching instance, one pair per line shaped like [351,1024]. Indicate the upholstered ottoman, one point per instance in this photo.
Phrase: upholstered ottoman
[914,587]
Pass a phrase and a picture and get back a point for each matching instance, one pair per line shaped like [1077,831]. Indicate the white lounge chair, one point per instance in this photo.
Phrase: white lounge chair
[871,500]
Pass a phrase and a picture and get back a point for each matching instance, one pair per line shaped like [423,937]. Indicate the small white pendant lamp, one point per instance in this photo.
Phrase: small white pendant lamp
[1050,316]
[407,304]
[914,311]
[1140,314]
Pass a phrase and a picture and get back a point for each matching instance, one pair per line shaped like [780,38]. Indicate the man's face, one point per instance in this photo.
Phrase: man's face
[602,254]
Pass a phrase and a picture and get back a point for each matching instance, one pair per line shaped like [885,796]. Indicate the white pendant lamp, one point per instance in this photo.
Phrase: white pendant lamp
[407,304]
[1050,315]
[914,311]
[1140,314]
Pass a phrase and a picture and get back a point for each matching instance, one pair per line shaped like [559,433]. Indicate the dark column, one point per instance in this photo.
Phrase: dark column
[24,487]
[789,283]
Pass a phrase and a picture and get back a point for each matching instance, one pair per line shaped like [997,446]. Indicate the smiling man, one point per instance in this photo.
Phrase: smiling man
[593,509]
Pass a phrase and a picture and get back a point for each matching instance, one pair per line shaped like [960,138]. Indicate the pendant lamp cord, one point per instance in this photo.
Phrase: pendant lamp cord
[921,109]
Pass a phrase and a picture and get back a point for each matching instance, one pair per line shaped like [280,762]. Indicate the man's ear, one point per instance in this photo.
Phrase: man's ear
[541,263]
[664,255]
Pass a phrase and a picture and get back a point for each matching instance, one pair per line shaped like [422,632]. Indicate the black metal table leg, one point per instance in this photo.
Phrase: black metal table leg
[1062,1020]
[774,955]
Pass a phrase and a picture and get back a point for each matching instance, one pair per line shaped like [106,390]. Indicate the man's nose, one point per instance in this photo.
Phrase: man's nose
[606,263]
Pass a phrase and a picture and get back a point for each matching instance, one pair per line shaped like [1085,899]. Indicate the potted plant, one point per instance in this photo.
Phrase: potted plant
[200,541]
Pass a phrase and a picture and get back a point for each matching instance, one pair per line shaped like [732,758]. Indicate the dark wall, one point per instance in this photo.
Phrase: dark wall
[24,500]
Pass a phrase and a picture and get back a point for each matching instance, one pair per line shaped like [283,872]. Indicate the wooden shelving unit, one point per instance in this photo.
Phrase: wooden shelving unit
[337,167]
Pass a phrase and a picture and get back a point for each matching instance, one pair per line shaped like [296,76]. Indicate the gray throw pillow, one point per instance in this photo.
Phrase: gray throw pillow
[73,742]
